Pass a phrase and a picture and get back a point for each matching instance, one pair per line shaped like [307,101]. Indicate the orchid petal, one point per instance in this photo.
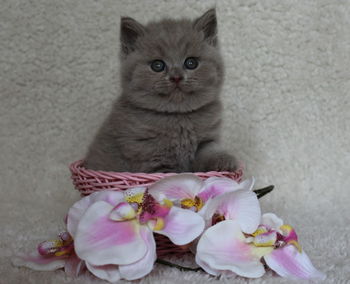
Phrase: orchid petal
[247,184]
[177,187]
[206,267]
[203,211]
[215,186]
[288,262]
[100,240]
[107,272]
[144,266]
[38,262]
[77,211]
[74,266]
[209,270]
[222,247]
[182,226]
[241,205]
[271,221]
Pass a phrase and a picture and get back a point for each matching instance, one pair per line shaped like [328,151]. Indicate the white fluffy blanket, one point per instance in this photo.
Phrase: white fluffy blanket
[287,115]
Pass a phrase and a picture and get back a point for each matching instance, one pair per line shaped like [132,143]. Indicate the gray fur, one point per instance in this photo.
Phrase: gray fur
[155,126]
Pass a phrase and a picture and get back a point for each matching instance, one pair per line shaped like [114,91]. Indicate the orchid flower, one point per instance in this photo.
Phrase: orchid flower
[190,192]
[113,231]
[241,205]
[52,255]
[224,250]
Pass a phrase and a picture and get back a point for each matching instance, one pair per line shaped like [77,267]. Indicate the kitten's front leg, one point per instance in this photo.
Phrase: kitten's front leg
[210,157]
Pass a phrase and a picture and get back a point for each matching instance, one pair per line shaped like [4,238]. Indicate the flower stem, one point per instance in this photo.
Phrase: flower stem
[263,191]
[182,268]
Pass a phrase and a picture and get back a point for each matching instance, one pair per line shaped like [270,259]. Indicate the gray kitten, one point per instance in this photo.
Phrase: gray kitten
[168,116]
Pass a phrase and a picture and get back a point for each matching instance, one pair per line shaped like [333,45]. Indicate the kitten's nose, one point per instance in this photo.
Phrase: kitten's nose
[176,79]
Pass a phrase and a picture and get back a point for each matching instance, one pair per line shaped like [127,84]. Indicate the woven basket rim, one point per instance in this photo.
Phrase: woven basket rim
[78,165]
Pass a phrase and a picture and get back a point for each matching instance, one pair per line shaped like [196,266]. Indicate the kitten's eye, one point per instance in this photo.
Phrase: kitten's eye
[191,63]
[158,65]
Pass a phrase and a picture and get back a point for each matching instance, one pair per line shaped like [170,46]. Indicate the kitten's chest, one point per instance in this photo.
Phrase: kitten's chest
[175,141]
[169,142]
[179,134]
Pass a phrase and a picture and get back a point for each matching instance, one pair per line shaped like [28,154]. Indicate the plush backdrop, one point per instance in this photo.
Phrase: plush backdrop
[287,115]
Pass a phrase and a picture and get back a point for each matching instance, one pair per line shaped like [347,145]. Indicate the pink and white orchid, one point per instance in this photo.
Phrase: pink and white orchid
[225,250]
[190,192]
[113,231]
[52,255]
[241,205]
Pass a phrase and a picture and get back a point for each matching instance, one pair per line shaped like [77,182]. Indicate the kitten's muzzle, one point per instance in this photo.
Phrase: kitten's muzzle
[176,79]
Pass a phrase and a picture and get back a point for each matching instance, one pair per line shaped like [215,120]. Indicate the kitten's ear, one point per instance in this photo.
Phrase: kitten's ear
[130,30]
[207,23]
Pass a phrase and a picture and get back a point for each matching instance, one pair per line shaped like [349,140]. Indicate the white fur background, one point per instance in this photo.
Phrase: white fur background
[287,115]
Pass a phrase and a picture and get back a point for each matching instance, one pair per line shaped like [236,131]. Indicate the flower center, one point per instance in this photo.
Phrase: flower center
[62,246]
[135,201]
[217,217]
[153,213]
[195,204]
[266,237]
[156,224]
[144,207]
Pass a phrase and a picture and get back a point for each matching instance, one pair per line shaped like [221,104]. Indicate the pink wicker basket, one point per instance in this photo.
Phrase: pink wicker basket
[89,181]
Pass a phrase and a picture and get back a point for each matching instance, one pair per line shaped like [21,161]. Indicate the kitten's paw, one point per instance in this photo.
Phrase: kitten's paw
[219,162]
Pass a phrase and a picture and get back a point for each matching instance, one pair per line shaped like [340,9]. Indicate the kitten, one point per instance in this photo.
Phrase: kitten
[168,116]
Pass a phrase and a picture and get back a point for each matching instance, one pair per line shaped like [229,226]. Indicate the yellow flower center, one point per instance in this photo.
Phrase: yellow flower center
[195,203]
[63,252]
[259,231]
[262,237]
[160,224]
[269,243]
[57,244]
[58,247]
[135,199]
[168,203]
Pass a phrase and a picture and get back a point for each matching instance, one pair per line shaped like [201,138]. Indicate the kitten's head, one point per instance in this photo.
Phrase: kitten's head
[171,65]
